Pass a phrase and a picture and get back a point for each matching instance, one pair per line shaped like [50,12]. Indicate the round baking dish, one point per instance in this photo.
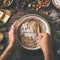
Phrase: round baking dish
[44,24]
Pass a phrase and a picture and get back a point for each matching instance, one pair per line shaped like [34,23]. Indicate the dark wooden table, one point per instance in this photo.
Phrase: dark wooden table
[21,53]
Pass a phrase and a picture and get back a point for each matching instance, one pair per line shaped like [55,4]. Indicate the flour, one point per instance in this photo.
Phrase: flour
[27,31]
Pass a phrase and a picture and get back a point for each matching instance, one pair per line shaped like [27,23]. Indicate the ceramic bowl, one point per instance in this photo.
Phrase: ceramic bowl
[56,3]
[44,24]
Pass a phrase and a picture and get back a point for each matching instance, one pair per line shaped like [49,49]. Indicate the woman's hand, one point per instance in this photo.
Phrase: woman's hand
[11,42]
[45,43]
[12,34]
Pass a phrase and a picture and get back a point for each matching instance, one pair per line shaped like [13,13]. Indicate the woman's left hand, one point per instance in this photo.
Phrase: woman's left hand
[12,34]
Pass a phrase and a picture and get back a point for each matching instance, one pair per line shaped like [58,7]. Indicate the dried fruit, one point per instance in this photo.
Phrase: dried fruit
[37,9]
[29,5]
[44,3]
[47,13]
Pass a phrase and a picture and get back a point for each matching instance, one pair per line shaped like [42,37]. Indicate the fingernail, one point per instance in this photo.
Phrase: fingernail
[11,25]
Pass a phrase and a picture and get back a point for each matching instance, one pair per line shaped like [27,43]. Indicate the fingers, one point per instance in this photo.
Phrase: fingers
[43,35]
[15,23]
[13,27]
[11,32]
[39,39]
[39,36]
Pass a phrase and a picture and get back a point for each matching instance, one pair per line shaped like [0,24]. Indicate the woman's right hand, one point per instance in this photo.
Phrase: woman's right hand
[46,45]
[45,41]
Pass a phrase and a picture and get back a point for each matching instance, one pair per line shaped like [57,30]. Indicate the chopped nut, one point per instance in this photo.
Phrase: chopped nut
[33,5]
[58,20]
[39,6]
[46,12]
[37,9]
[29,5]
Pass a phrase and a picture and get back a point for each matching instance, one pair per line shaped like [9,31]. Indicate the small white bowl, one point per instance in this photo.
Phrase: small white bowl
[56,3]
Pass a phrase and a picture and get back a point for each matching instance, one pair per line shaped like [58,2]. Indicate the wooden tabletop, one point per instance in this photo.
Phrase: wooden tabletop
[19,52]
